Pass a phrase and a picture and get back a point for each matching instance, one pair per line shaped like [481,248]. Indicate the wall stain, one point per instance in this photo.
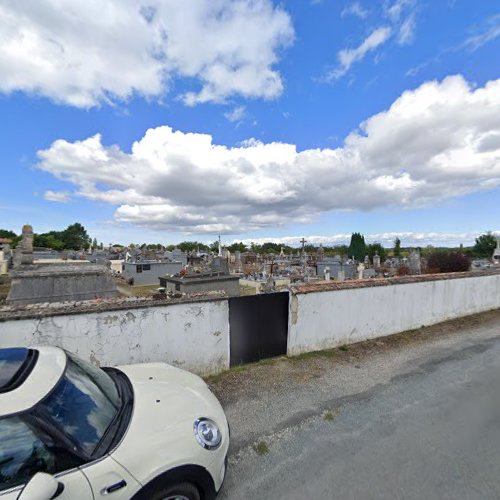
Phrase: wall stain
[108,320]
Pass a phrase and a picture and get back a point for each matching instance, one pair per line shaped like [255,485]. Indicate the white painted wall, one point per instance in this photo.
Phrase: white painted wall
[195,336]
[192,336]
[322,320]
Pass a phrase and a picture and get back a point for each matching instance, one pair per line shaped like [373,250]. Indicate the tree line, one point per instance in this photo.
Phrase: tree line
[75,237]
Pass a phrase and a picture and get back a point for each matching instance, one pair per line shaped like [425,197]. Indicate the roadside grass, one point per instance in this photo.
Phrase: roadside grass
[328,354]
[355,350]
[261,448]
[330,415]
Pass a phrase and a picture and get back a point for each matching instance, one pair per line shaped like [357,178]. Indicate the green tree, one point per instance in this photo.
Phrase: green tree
[6,233]
[357,247]
[237,247]
[48,240]
[75,237]
[269,247]
[189,246]
[485,244]
[397,247]
[341,250]
[94,244]
[214,247]
[255,247]
[374,248]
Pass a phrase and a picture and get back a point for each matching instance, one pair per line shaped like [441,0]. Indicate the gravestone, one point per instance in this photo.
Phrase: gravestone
[414,262]
[40,283]
[376,261]
[24,250]
[361,268]
[496,252]
[327,273]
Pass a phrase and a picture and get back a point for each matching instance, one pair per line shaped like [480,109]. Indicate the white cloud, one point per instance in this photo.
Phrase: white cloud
[394,10]
[411,239]
[98,51]
[347,57]
[403,29]
[490,32]
[435,142]
[57,196]
[407,29]
[403,16]
[354,9]
[236,114]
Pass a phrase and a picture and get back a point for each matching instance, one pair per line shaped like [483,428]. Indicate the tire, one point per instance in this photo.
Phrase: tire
[185,491]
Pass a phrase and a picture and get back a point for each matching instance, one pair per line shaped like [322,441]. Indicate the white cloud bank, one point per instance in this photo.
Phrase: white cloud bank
[438,141]
[412,239]
[84,53]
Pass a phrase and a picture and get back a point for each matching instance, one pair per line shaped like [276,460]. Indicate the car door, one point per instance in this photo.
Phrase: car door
[24,451]
[110,480]
[75,485]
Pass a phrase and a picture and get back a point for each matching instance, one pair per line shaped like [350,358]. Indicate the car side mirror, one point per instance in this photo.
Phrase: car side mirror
[42,486]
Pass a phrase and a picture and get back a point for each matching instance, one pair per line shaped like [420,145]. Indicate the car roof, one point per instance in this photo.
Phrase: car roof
[14,363]
[27,375]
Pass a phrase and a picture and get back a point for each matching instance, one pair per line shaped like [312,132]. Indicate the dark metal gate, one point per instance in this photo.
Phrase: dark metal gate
[258,327]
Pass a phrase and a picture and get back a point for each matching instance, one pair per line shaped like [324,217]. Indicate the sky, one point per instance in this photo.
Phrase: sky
[161,121]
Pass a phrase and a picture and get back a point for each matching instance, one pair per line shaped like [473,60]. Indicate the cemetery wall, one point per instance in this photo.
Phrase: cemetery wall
[193,336]
[322,317]
[195,333]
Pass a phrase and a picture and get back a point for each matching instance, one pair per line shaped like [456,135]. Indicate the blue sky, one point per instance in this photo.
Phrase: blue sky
[254,111]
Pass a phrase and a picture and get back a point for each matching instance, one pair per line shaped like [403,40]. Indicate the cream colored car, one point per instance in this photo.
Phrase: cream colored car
[69,430]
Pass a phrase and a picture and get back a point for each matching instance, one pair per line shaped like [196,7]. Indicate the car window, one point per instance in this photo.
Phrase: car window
[83,404]
[22,453]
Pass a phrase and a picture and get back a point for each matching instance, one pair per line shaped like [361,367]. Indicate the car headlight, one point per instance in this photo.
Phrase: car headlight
[207,433]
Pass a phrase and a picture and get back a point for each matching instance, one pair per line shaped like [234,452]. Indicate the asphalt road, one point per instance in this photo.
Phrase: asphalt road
[415,420]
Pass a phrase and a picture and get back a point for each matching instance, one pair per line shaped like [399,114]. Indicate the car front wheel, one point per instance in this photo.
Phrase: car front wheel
[179,491]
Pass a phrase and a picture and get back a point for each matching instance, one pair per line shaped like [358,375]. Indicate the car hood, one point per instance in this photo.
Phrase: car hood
[160,435]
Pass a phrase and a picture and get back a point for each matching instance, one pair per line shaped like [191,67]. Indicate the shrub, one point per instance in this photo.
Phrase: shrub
[444,262]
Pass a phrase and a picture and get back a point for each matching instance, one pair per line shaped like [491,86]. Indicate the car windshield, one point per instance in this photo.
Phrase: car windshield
[83,404]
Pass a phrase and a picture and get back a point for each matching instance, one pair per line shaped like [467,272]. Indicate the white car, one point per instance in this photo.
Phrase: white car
[69,430]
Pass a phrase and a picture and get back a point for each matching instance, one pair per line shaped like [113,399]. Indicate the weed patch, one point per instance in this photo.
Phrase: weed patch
[329,416]
[261,448]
